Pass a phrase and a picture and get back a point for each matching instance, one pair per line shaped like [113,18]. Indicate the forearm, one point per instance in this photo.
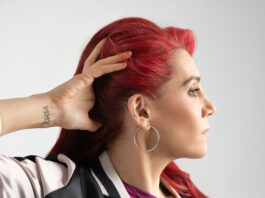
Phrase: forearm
[36,111]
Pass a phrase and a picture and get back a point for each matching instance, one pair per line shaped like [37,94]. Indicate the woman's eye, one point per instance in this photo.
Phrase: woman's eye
[194,92]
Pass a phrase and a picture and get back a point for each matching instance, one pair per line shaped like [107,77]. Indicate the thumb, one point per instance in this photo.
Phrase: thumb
[92,125]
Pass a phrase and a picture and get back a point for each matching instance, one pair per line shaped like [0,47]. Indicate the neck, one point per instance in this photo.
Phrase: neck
[138,168]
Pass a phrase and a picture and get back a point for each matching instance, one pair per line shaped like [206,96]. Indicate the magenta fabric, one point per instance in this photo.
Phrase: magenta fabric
[136,192]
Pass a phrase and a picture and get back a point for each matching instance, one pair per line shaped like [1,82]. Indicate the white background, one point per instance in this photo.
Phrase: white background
[41,42]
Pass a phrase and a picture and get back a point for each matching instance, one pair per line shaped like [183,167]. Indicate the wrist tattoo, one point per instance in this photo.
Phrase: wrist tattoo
[47,120]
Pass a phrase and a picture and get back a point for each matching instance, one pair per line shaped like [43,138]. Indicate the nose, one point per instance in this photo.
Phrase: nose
[209,108]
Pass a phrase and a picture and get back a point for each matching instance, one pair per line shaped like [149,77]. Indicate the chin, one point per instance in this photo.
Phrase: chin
[197,153]
[200,153]
[191,153]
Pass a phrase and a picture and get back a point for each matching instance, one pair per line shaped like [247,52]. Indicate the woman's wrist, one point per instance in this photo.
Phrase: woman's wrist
[35,111]
[49,110]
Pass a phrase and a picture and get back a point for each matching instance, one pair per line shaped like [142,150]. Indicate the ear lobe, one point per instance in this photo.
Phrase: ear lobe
[145,124]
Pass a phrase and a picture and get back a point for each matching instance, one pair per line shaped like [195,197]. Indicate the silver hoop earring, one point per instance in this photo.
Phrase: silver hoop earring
[154,147]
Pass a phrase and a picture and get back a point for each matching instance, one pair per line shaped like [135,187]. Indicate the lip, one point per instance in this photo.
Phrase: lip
[205,131]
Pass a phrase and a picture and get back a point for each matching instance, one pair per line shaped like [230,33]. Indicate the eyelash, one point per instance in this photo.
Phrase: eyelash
[194,91]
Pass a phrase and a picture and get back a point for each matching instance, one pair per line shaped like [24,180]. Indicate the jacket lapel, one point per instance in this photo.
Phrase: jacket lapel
[107,177]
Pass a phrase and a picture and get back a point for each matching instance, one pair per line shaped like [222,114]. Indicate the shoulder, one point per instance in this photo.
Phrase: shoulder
[59,176]
[34,176]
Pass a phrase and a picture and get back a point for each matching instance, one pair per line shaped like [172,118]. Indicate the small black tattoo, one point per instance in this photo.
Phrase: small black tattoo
[47,120]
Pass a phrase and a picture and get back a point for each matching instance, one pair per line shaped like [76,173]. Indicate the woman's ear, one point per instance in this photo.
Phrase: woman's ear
[139,111]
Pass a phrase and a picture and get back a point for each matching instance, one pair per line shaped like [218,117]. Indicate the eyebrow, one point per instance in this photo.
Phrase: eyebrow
[198,78]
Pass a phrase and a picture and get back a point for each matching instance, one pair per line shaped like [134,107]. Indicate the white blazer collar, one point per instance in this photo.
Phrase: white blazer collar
[116,180]
[112,174]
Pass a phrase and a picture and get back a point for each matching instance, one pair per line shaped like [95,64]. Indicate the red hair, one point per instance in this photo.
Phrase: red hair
[146,71]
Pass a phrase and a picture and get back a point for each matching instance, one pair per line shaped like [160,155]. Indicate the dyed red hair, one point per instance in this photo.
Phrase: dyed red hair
[146,71]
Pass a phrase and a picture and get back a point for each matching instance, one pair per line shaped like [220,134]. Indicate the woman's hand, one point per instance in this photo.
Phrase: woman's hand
[75,98]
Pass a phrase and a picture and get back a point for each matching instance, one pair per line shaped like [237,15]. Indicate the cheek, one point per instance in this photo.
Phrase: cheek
[179,113]
[178,121]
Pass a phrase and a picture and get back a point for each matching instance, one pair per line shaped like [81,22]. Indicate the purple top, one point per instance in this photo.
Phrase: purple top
[136,192]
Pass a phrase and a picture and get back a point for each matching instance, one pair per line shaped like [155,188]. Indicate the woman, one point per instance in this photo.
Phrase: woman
[141,118]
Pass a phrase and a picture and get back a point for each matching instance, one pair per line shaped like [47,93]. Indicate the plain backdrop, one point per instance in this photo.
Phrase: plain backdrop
[40,46]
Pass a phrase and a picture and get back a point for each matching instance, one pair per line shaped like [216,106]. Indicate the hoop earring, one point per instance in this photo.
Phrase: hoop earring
[151,149]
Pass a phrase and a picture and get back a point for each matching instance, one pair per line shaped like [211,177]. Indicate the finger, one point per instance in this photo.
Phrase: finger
[115,59]
[110,60]
[104,69]
[95,53]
